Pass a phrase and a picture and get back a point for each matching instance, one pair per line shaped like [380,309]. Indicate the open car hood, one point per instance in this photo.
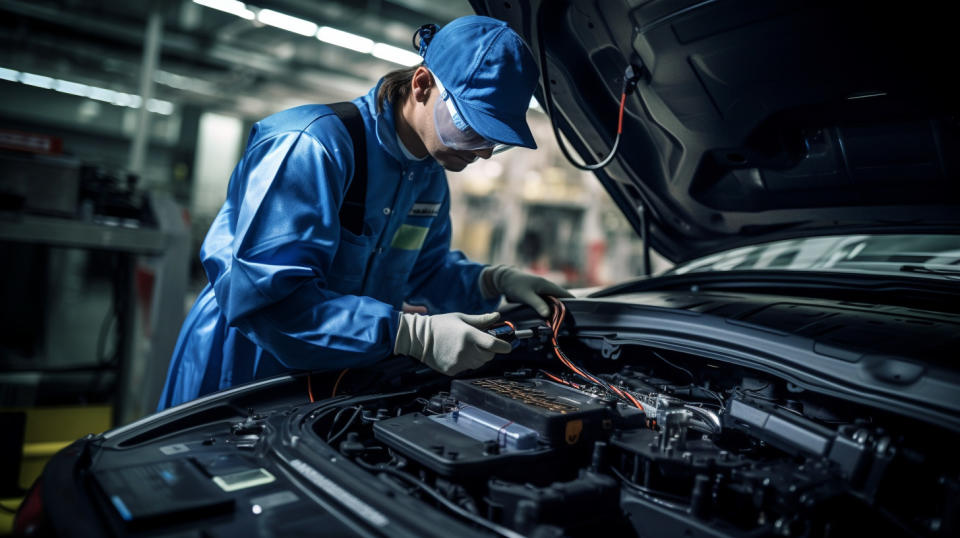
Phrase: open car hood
[756,120]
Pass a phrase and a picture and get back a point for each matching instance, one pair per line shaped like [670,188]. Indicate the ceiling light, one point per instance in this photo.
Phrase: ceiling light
[287,22]
[9,74]
[102,94]
[106,95]
[73,88]
[396,54]
[160,107]
[39,81]
[345,39]
[122,99]
[232,7]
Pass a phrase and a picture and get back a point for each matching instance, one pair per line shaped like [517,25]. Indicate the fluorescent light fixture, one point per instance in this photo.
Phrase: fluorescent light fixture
[122,99]
[232,7]
[73,88]
[287,22]
[160,106]
[102,94]
[130,100]
[345,39]
[39,81]
[396,55]
[127,100]
[9,74]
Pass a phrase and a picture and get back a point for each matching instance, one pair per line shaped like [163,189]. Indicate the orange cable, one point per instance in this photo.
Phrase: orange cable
[337,384]
[623,99]
[557,320]
[310,387]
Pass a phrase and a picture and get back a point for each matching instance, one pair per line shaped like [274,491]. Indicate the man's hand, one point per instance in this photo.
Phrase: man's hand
[449,343]
[520,287]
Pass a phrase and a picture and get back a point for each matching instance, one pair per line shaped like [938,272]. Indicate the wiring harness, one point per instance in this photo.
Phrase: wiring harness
[556,320]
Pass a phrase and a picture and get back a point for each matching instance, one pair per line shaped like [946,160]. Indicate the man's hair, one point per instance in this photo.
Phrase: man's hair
[395,87]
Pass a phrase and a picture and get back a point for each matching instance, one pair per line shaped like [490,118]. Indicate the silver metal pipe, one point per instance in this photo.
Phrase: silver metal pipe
[710,419]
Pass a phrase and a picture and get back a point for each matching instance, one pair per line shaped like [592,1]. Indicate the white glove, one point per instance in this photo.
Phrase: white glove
[449,343]
[520,287]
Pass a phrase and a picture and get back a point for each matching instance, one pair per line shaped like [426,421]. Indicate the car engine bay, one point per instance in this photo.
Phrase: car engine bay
[542,457]
[565,436]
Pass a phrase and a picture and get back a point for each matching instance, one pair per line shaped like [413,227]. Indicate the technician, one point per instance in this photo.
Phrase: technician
[293,287]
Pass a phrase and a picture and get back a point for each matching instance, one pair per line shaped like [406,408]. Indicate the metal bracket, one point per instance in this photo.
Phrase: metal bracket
[610,349]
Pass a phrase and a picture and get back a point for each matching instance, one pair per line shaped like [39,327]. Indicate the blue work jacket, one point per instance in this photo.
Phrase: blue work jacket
[292,290]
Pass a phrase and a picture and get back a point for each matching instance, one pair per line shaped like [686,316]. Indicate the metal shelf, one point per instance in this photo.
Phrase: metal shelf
[79,234]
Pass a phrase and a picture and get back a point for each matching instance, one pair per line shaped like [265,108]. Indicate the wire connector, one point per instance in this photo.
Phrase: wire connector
[631,76]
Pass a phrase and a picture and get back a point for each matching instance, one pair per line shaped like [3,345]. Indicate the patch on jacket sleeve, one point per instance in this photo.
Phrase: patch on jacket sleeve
[425,210]
[409,237]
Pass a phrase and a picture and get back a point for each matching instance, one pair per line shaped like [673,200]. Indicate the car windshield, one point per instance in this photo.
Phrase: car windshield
[928,256]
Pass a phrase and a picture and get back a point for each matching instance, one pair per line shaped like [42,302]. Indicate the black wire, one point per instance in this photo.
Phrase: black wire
[600,382]
[337,418]
[548,97]
[711,393]
[688,372]
[642,492]
[350,422]
[591,379]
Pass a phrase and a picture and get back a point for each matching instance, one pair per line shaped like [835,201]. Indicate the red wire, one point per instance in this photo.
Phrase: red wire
[623,99]
[560,312]
[555,378]
[561,381]
[337,384]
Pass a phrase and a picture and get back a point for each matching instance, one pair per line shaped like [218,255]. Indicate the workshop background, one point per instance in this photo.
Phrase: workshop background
[120,123]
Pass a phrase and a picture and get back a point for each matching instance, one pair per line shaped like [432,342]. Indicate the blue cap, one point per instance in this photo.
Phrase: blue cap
[490,73]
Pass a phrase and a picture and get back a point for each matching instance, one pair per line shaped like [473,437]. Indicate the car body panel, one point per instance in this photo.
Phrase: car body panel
[753,120]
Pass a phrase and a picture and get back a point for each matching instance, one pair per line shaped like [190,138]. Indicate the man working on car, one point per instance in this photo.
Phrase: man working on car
[295,285]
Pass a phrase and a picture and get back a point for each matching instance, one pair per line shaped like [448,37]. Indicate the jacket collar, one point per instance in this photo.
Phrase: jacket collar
[386,129]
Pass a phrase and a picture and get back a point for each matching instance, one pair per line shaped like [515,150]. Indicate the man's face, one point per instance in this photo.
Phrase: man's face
[450,159]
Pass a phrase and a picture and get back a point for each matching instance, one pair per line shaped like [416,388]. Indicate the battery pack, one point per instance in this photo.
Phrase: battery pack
[483,426]
[465,447]
[560,415]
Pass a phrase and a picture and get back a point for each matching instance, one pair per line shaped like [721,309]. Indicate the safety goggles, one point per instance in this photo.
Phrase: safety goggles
[453,129]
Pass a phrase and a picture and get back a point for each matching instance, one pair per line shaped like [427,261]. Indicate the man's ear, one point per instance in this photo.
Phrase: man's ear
[422,84]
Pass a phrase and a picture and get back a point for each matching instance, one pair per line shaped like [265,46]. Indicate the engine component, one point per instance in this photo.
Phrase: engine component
[854,451]
[559,414]
[464,448]
[483,426]
[508,332]
[590,499]
[666,461]
[786,430]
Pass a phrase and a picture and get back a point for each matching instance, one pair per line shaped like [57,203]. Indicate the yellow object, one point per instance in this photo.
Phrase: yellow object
[47,430]
[6,516]
[574,428]
[43,450]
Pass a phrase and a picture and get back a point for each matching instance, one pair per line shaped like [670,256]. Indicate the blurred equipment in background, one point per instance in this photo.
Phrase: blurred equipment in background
[93,283]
